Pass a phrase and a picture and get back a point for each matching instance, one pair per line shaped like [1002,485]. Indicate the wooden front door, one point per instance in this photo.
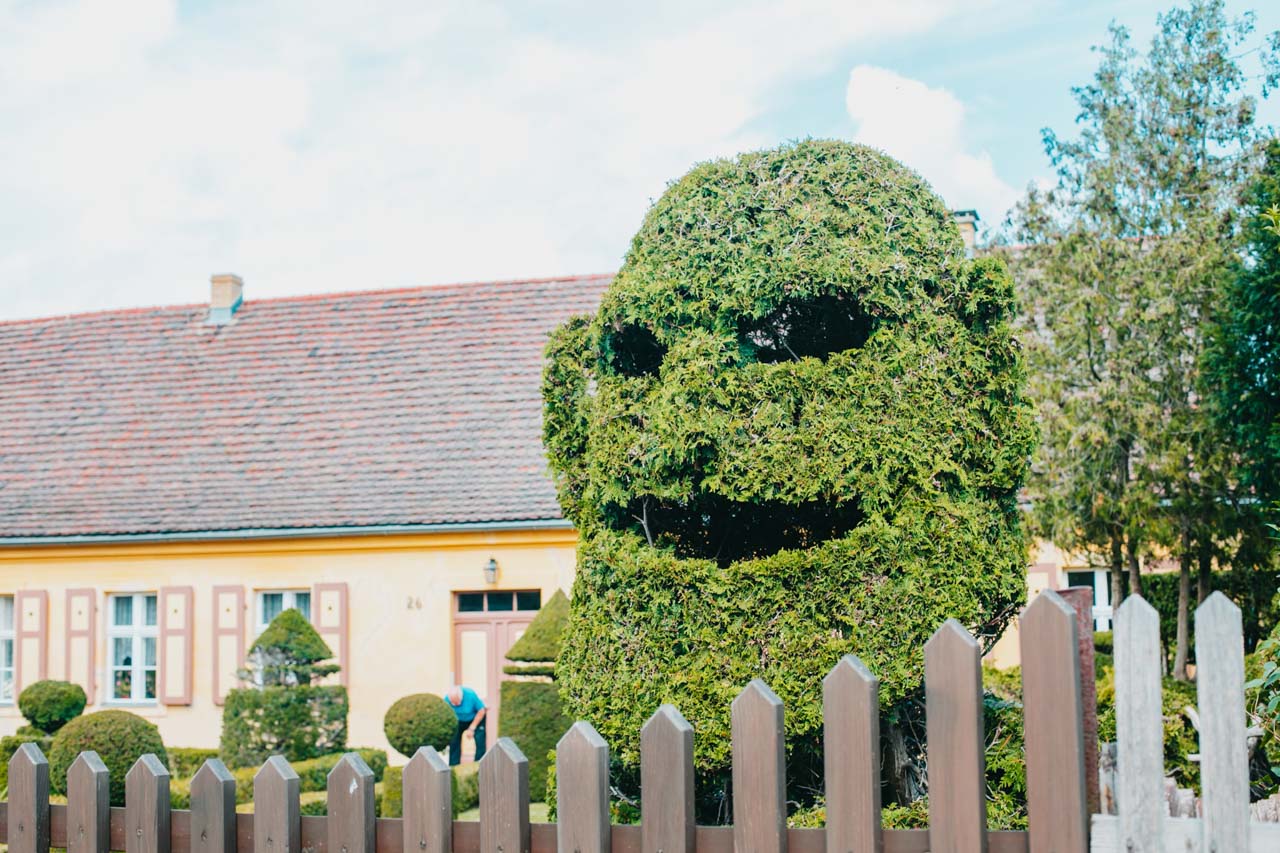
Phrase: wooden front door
[485,627]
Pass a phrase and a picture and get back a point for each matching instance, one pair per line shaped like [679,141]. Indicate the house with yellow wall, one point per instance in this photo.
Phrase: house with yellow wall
[171,478]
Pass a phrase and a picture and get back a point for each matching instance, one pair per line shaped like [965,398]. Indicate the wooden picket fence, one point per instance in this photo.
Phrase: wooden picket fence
[1058,813]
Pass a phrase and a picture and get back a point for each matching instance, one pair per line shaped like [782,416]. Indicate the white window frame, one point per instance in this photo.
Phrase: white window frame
[138,632]
[290,601]
[8,673]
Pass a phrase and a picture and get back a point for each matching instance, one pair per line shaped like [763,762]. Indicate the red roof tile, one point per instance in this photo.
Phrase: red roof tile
[404,407]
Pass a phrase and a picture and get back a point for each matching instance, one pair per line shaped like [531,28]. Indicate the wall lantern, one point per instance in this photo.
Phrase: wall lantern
[491,571]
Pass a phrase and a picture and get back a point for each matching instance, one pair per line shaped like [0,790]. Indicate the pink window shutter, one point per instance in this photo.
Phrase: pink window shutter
[81,648]
[31,637]
[329,617]
[176,617]
[228,639]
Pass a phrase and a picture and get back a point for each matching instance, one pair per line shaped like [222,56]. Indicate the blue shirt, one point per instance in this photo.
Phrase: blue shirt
[471,705]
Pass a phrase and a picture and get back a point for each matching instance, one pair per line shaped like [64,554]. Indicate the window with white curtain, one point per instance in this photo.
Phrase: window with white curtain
[6,648]
[273,602]
[132,637]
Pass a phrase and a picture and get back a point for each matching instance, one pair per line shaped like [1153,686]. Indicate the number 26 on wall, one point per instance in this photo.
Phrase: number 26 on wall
[413,603]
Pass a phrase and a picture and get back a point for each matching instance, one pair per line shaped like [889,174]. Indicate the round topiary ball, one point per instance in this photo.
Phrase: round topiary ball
[119,738]
[50,705]
[423,719]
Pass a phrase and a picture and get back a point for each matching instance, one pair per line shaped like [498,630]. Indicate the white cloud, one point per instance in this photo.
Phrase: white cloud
[924,128]
[315,146]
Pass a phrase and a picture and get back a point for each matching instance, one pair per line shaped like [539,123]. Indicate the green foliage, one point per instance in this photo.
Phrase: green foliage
[798,410]
[184,761]
[533,717]
[119,738]
[464,782]
[313,775]
[298,722]
[9,744]
[542,669]
[1119,267]
[50,705]
[1254,592]
[422,719]
[1244,356]
[541,641]
[288,653]
[1103,643]
[1180,738]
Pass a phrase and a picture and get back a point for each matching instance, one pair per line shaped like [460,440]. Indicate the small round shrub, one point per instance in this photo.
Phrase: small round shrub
[50,705]
[423,719]
[119,738]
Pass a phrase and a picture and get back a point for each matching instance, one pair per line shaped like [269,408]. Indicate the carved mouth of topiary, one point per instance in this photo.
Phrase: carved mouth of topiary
[713,527]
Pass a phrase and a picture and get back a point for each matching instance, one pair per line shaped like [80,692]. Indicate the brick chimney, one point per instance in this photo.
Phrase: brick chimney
[225,297]
[967,222]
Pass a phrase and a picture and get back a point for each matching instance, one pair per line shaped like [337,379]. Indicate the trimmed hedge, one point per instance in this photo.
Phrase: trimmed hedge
[795,429]
[49,705]
[300,723]
[422,719]
[464,782]
[541,641]
[184,761]
[533,717]
[313,775]
[119,738]
[9,745]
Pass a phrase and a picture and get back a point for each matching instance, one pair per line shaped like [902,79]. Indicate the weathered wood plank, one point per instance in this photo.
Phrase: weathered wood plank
[759,771]
[504,799]
[428,803]
[1224,755]
[666,782]
[28,811]
[350,805]
[1182,835]
[953,708]
[1057,805]
[582,786]
[88,805]
[1139,727]
[277,826]
[851,757]
[146,803]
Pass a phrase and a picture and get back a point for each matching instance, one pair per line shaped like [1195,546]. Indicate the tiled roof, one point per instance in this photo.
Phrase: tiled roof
[405,407]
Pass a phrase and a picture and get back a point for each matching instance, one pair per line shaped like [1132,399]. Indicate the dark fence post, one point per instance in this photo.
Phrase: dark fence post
[953,707]
[88,805]
[426,789]
[28,801]
[759,771]
[213,809]
[146,805]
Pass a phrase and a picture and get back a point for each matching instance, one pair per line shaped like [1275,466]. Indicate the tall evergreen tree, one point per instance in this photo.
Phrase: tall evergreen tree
[1120,266]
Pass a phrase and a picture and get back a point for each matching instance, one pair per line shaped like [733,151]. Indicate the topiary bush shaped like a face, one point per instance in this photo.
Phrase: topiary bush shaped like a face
[795,429]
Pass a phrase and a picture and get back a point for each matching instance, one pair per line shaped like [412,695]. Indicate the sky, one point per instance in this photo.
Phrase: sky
[329,146]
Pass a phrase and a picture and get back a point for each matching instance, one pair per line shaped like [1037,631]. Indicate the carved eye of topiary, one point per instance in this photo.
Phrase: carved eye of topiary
[633,350]
[807,328]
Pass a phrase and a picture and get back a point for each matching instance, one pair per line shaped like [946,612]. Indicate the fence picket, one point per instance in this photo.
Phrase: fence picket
[277,824]
[88,805]
[851,757]
[759,771]
[666,783]
[582,784]
[350,806]
[504,799]
[428,803]
[1057,805]
[28,813]
[213,809]
[1139,727]
[953,708]
[146,806]
[1224,757]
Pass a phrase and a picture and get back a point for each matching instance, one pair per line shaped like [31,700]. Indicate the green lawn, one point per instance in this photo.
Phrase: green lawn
[537,813]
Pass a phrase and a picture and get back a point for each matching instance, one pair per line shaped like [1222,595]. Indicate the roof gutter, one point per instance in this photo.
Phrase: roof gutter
[289,532]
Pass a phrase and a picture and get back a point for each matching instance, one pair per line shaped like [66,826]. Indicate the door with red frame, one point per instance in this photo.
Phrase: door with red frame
[485,627]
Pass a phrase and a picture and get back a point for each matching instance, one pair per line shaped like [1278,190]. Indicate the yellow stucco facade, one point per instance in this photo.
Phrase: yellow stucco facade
[391,600]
